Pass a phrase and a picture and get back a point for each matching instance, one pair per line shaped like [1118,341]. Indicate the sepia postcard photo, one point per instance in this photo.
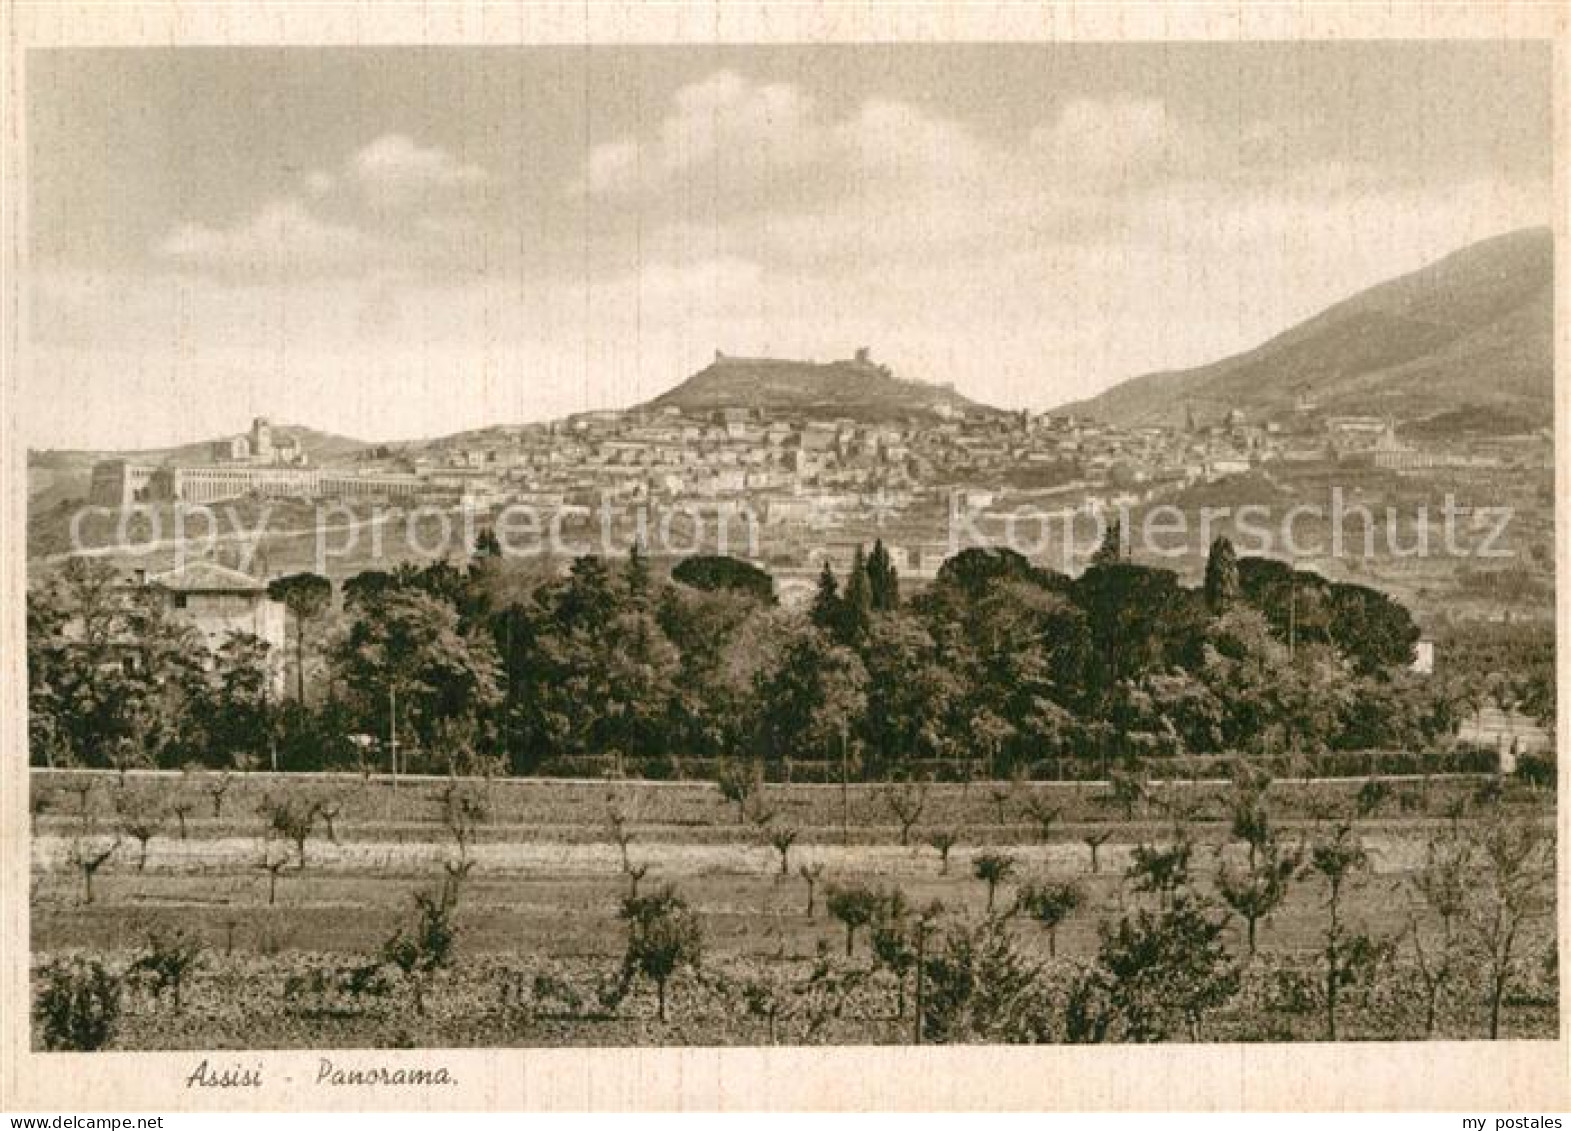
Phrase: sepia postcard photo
[781,559]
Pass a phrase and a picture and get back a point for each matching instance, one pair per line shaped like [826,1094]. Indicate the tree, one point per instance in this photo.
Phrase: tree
[462,813]
[898,938]
[217,786]
[856,605]
[1256,893]
[78,1007]
[1442,886]
[1044,815]
[141,818]
[487,545]
[782,839]
[883,581]
[719,573]
[273,863]
[912,694]
[825,611]
[1162,870]
[1373,631]
[663,935]
[617,821]
[978,988]
[109,670]
[810,698]
[409,649]
[1094,841]
[811,874]
[738,782]
[906,801]
[88,860]
[171,954]
[943,841]
[306,596]
[854,905]
[1250,815]
[1510,891]
[365,589]
[993,868]
[1160,970]
[1127,789]
[293,820]
[1110,550]
[1221,580]
[1339,857]
[429,947]
[1049,904]
[639,668]
[181,807]
[232,714]
[636,575]
[1001,795]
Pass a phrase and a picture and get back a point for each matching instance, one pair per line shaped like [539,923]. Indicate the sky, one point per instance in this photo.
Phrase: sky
[393,243]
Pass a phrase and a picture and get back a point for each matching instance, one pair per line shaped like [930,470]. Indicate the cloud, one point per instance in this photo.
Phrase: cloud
[726,119]
[733,131]
[394,171]
[283,238]
[394,204]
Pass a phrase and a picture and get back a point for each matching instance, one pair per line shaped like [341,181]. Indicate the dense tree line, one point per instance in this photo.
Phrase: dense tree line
[501,664]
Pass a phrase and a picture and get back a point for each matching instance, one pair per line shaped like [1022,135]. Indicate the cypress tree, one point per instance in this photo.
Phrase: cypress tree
[882,580]
[1111,551]
[1221,577]
[826,601]
[856,606]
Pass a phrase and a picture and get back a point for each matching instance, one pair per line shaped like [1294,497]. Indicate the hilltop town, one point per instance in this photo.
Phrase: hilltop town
[797,481]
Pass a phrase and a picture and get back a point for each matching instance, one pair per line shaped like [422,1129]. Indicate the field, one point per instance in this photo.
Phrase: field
[540,943]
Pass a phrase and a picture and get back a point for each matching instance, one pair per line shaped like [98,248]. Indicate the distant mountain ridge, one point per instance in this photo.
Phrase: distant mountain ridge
[857,387]
[1472,331]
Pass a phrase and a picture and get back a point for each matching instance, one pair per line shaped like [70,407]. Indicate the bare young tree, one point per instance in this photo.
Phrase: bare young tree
[635,876]
[87,860]
[330,810]
[1050,904]
[292,820]
[1511,891]
[181,807]
[462,813]
[993,868]
[811,874]
[141,820]
[943,842]
[1001,795]
[906,801]
[273,863]
[1094,841]
[1255,893]
[855,905]
[618,825]
[1339,858]
[782,839]
[1441,889]
[217,786]
[738,783]
[1043,815]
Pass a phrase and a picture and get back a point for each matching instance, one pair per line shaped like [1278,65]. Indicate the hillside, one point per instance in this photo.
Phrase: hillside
[58,474]
[858,388]
[1473,331]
